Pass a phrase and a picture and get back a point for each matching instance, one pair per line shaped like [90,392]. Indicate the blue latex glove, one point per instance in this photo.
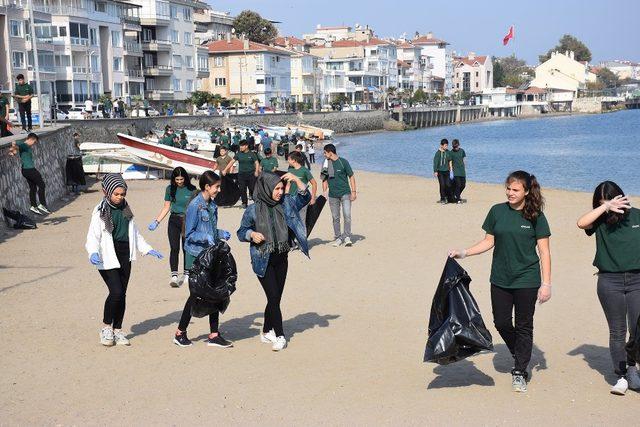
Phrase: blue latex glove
[155,253]
[451,175]
[224,234]
[153,225]
[95,258]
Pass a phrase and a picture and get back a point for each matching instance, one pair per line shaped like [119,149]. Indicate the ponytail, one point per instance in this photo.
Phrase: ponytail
[533,201]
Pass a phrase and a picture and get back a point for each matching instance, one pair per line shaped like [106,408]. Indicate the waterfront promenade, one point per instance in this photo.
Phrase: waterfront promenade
[357,319]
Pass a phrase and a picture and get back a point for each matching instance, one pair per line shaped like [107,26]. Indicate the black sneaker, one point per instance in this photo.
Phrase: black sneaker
[182,340]
[219,341]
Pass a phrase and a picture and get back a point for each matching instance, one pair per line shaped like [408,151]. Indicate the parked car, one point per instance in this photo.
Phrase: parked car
[78,113]
[139,112]
[61,115]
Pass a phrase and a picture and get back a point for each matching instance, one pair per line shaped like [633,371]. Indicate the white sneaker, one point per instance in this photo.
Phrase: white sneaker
[174,282]
[621,387]
[633,378]
[43,208]
[35,210]
[120,339]
[185,281]
[347,242]
[279,344]
[269,337]
[337,242]
[106,337]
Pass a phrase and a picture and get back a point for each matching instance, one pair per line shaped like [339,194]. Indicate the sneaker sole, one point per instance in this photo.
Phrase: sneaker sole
[174,284]
[348,245]
[618,393]
[265,340]
[122,343]
[209,344]
[176,342]
[108,343]
[279,349]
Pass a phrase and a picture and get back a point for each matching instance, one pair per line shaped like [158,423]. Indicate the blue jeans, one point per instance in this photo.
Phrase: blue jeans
[335,203]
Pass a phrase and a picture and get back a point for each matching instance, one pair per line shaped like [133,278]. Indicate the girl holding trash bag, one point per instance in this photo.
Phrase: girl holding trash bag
[176,198]
[201,231]
[270,226]
[617,228]
[112,241]
[518,276]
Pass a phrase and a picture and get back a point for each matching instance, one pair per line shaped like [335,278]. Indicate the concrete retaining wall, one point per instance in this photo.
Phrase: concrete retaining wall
[587,105]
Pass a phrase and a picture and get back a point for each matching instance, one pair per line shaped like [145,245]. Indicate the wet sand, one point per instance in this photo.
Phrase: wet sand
[357,318]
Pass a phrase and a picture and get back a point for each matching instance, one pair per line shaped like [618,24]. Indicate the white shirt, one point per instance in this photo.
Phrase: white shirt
[88,105]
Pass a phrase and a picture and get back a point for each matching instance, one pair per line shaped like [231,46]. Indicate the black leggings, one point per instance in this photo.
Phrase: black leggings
[459,183]
[214,318]
[312,157]
[443,180]
[519,339]
[35,181]
[24,108]
[117,280]
[273,285]
[176,241]
[245,182]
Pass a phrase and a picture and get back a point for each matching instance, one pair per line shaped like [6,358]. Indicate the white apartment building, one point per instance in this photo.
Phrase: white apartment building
[472,73]
[441,59]
[414,69]
[212,24]
[623,69]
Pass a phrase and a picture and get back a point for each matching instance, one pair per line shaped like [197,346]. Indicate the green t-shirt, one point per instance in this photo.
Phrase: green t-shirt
[166,140]
[120,226]
[269,164]
[246,161]
[618,246]
[458,163]
[183,196]
[515,262]
[441,161]
[236,139]
[339,184]
[224,138]
[305,176]
[23,89]
[3,105]
[26,155]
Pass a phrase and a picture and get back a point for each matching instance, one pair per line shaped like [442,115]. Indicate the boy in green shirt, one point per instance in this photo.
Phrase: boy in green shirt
[23,94]
[269,163]
[4,116]
[296,162]
[30,173]
[248,169]
[441,167]
[339,183]
[457,156]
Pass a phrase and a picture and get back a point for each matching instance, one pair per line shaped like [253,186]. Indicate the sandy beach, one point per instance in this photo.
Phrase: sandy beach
[357,318]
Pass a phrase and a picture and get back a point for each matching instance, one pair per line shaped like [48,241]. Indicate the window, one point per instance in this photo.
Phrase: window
[63,60]
[116,38]
[174,12]
[457,85]
[187,39]
[93,36]
[79,33]
[203,64]
[218,61]
[95,63]
[270,81]
[117,89]
[189,86]
[188,62]
[147,34]
[176,84]
[100,7]
[259,81]
[16,28]
[162,9]
[18,59]
[117,64]
[175,36]
[220,81]
[259,62]
[62,31]
[177,62]
[476,74]
[476,84]
[148,60]
[186,13]
[273,61]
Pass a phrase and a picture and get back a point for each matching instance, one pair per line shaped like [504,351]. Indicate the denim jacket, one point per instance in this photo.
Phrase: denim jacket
[292,204]
[201,223]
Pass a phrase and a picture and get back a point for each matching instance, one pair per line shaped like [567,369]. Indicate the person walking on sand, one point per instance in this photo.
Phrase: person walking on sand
[272,226]
[518,276]
[248,170]
[339,185]
[176,198]
[441,167]
[112,242]
[312,152]
[269,163]
[617,228]
[30,173]
[296,161]
[457,156]
[201,231]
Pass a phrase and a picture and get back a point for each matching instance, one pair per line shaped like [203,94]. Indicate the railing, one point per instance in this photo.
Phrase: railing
[165,42]
[134,73]
[59,9]
[79,42]
[133,47]
[158,67]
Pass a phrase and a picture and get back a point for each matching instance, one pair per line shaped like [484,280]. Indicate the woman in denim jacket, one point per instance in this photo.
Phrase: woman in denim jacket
[201,231]
[271,225]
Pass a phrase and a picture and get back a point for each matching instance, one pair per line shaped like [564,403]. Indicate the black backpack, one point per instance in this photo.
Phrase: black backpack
[21,222]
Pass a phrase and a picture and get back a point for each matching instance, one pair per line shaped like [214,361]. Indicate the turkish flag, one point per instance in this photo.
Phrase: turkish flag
[508,37]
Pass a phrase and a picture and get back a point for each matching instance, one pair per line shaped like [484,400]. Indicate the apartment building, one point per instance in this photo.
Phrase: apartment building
[623,69]
[435,52]
[472,73]
[211,24]
[325,35]
[305,73]
[414,69]
[562,76]
[249,71]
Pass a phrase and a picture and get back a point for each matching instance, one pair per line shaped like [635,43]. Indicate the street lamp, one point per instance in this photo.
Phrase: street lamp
[36,67]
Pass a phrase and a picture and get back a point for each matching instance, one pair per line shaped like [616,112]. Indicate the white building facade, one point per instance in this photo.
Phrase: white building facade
[440,58]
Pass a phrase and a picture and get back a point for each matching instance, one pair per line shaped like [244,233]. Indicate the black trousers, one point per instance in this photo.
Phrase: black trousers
[518,337]
[214,318]
[273,286]
[459,183]
[312,157]
[445,184]
[117,280]
[246,181]
[175,230]
[24,108]
[35,181]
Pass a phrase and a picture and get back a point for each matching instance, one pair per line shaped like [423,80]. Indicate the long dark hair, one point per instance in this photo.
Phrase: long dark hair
[608,190]
[533,201]
[208,178]
[180,172]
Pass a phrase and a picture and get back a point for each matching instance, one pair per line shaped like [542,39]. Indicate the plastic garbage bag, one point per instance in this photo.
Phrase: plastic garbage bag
[21,221]
[456,328]
[212,280]
[633,346]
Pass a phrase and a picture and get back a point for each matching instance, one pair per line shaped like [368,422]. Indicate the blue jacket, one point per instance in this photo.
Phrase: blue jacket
[292,204]
[201,225]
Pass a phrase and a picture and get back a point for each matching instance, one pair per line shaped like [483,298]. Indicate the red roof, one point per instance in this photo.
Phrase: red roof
[535,89]
[426,40]
[406,45]
[403,64]
[291,40]
[479,59]
[237,45]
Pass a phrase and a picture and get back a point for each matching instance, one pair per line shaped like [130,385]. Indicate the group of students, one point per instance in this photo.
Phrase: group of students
[518,232]
[450,170]
[273,225]
[171,138]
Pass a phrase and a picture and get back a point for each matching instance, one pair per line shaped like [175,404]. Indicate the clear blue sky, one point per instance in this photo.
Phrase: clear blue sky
[610,28]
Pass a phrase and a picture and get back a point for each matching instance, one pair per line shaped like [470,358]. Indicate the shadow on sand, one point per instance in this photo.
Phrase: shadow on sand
[503,361]
[598,358]
[459,374]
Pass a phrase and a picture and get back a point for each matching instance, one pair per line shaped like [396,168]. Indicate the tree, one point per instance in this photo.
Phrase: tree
[571,43]
[255,27]
[419,97]
[607,77]
[199,98]
[509,71]
[339,100]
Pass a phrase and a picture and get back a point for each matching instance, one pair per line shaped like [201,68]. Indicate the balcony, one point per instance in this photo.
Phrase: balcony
[133,49]
[135,75]
[203,74]
[158,70]
[44,43]
[159,94]
[156,45]
[153,20]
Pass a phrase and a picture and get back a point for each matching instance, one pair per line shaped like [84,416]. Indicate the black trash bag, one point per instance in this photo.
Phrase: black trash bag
[21,221]
[456,328]
[229,192]
[74,171]
[212,280]
[313,213]
[633,347]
